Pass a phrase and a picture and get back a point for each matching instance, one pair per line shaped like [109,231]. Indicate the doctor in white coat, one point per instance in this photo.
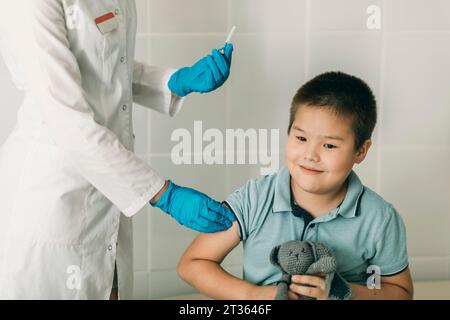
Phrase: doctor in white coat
[69,180]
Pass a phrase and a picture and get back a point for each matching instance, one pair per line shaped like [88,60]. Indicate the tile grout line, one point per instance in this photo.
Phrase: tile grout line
[307,38]
[227,103]
[325,32]
[381,92]
[148,153]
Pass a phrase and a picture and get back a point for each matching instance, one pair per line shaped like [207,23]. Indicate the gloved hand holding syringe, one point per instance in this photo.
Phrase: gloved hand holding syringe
[207,74]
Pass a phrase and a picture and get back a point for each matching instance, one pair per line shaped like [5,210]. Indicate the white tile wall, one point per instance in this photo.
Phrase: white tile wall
[166,283]
[143,7]
[268,15]
[141,116]
[180,16]
[416,181]
[340,15]
[407,15]
[141,288]
[262,83]
[279,45]
[355,53]
[429,268]
[368,170]
[178,51]
[416,90]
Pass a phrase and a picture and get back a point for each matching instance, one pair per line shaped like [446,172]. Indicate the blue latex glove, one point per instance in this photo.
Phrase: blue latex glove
[206,75]
[194,209]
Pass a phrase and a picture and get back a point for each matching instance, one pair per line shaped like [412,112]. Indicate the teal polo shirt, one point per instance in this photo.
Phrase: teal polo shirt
[363,231]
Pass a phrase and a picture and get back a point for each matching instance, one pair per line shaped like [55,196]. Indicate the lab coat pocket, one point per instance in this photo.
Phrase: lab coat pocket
[109,31]
[107,23]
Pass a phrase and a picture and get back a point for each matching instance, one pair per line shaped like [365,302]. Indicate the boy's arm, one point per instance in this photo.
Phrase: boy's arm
[200,267]
[392,287]
[399,286]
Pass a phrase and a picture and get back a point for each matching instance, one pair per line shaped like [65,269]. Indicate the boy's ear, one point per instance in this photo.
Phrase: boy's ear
[362,152]
[274,256]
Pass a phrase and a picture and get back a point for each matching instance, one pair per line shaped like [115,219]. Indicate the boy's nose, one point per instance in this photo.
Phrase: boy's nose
[311,154]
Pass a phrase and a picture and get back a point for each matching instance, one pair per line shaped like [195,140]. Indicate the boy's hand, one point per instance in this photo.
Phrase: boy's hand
[310,286]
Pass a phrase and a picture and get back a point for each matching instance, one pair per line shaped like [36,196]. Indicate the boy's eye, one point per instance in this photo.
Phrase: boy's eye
[301,138]
[329,146]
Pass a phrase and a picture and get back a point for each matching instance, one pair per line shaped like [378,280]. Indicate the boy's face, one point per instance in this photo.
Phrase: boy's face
[320,151]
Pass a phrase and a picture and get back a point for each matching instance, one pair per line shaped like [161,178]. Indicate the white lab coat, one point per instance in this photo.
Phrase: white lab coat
[67,171]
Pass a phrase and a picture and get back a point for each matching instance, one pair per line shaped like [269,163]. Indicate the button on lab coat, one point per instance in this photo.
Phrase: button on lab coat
[69,180]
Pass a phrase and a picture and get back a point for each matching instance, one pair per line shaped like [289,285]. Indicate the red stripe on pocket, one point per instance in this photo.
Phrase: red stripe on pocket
[105,17]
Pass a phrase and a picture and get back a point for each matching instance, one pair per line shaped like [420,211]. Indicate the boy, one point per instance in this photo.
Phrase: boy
[316,197]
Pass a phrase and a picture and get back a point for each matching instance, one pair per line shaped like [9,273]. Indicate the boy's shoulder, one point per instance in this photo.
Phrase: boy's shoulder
[264,183]
[263,190]
[374,198]
[373,205]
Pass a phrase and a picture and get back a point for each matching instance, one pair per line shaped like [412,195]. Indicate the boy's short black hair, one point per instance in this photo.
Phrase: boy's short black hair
[343,94]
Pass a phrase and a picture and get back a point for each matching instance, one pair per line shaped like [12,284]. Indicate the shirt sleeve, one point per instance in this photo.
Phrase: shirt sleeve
[390,247]
[150,89]
[243,203]
[52,76]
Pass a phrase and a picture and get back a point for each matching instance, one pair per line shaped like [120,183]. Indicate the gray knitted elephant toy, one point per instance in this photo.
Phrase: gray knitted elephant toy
[308,258]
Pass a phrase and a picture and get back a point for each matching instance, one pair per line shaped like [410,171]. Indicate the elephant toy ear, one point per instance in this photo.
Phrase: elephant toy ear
[313,249]
[274,256]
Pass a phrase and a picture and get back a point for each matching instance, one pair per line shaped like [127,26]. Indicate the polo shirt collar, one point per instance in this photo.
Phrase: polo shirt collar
[347,209]
[355,189]
[282,198]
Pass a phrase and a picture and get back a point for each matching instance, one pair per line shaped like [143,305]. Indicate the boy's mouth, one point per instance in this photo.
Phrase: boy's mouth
[310,171]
